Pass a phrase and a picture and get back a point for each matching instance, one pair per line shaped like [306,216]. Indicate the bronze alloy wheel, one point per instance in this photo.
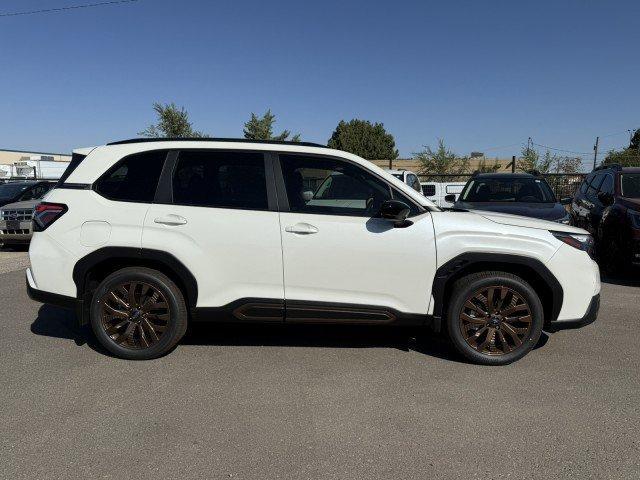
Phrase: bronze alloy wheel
[134,314]
[495,320]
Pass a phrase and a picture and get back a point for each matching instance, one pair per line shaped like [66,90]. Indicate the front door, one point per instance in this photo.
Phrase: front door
[342,262]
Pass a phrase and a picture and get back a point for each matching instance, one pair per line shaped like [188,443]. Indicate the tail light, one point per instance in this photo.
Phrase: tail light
[46,213]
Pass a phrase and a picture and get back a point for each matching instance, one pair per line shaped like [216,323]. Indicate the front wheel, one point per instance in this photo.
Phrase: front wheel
[138,313]
[494,318]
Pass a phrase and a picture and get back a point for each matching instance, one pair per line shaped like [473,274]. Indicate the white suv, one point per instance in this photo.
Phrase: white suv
[144,236]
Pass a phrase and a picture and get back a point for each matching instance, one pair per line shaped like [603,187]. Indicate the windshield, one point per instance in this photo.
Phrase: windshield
[10,190]
[517,189]
[630,183]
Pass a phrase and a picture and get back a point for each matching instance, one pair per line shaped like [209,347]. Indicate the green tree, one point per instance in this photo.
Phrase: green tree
[567,164]
[261,128]
[173,122]
[365,139]
[634,144]
[628,157]
[530,160]
[441,161]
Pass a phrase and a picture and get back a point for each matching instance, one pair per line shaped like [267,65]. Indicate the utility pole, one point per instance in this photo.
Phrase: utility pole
[595,152]
[513,164]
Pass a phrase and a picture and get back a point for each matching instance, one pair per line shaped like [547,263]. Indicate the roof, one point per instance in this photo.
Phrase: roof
[208,139]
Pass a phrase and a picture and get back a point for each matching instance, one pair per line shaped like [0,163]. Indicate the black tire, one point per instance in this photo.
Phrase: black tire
[132,344]
[519,294]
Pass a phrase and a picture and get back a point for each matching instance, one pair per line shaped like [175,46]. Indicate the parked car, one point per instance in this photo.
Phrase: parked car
[20,190]
[514,193]
[143,236]
[15,217]
[607,204]
[408,177]
[438,192]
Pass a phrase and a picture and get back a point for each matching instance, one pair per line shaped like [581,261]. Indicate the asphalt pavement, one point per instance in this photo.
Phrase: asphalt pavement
[315,402]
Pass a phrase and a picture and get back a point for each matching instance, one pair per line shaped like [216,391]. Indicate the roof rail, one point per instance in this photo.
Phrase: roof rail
[613,166]
[208,139]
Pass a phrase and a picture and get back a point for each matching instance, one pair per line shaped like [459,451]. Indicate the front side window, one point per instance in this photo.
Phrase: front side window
[328,186]
[220,179]
[525,190]
[133,179]
[630,183]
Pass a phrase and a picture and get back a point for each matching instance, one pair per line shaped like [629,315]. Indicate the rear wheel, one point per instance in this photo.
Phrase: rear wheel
[138,313]
[494,318]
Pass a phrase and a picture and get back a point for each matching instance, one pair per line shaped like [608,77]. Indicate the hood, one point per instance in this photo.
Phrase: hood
[518,221]
[543,211]
[23,204]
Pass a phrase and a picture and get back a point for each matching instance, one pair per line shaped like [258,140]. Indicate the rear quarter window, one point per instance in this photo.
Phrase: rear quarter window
[134,178]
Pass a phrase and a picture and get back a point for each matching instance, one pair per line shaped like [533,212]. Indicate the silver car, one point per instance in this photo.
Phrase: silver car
[16,217]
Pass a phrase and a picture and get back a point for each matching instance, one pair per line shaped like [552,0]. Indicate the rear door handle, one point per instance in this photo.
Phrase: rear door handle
[302,229]
[171,219]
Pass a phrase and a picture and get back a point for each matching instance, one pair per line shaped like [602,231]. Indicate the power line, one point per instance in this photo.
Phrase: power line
[561,149]
[71,7]
[627,131]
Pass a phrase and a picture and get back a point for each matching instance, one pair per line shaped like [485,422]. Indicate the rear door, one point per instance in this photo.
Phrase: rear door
[216,212]
[341,261]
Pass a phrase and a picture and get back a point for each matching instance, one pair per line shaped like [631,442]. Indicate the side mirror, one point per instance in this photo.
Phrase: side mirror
[566,200]
[451,198]
[395,211]
[307,195]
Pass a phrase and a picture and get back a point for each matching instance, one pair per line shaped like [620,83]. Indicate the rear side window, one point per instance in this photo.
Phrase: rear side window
[220,179]
[429,190]
[134,178]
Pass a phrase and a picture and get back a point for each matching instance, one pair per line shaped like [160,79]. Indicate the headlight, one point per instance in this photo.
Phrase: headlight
[576,240]
[635,218]
[565,220]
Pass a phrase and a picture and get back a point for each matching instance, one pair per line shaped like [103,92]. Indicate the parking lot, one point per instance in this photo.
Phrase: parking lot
[314,402]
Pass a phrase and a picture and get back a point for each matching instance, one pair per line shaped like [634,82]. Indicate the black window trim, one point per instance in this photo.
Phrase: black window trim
[116,165]
[164,193]
[283,200]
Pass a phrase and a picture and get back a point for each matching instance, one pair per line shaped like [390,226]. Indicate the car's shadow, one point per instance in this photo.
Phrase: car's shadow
[60,323]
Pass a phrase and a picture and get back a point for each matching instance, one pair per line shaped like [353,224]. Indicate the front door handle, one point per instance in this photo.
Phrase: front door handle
[171,219]
[302,229]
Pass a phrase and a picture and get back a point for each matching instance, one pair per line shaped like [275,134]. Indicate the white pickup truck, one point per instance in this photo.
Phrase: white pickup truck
[437,191]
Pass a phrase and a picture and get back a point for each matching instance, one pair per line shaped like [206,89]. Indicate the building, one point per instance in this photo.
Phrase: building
[9,156]
[28,164]
[475,161]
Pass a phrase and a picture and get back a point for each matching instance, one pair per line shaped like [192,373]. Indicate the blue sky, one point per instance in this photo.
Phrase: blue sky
[480,74]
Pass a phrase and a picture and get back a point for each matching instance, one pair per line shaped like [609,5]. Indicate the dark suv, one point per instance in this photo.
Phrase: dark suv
[523,194]
[607,204]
